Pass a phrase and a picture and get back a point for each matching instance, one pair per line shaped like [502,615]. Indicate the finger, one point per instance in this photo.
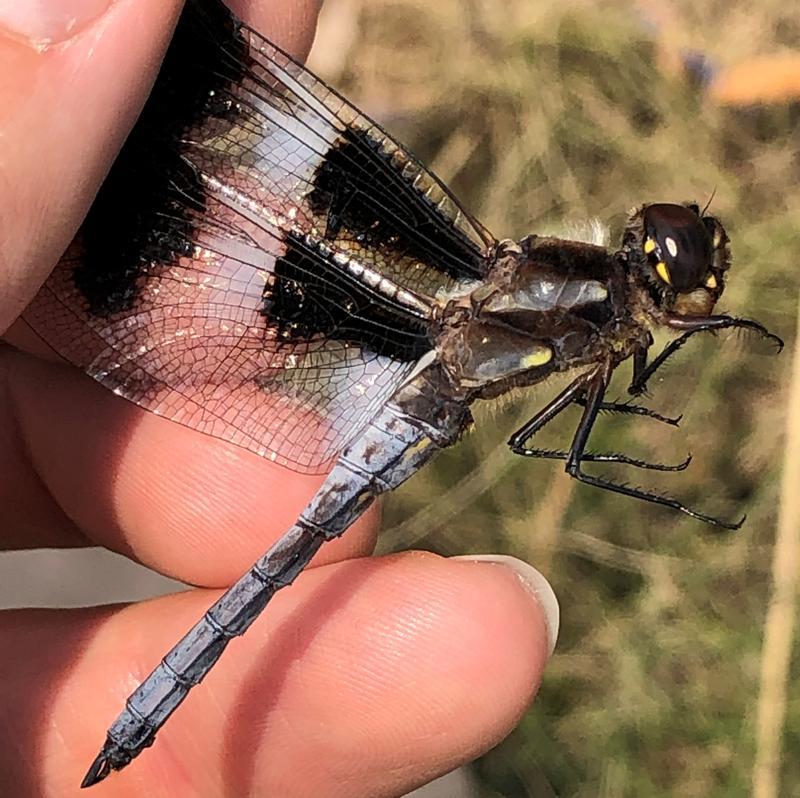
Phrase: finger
[64,119]
[366,678]
[65,111]
[78,459]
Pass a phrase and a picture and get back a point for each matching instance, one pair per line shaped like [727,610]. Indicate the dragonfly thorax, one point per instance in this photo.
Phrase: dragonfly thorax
[547,305]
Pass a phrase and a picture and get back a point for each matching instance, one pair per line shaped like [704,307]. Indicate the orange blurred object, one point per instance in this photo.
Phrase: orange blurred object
[766,79]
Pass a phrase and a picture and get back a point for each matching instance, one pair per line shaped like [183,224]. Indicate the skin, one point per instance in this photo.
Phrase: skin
[367,677]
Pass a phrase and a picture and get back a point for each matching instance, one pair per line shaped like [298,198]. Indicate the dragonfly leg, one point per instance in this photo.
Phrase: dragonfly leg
[575,393]
[596,457]
[633,410]
[642,371]
[594,398]
[572,393]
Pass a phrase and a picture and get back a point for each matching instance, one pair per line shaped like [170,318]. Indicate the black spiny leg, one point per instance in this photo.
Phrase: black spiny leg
[574,393]
[594,399]
[642,371]
[633,410]
[594,457]
[640,362]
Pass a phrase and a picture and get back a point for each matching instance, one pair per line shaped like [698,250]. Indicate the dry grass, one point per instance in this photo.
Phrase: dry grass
[541,113]
[779,625]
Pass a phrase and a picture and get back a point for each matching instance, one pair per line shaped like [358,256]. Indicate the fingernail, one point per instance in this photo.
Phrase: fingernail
[45,22]
[535,583]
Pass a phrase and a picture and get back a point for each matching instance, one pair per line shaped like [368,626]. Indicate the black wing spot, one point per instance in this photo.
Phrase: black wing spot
[142,218]
[363,196]
[311,296]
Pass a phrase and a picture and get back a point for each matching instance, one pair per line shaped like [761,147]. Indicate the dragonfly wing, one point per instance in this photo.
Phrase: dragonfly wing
[261,261]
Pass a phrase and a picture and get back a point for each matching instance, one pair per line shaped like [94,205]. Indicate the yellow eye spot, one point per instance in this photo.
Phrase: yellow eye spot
[711,282]
[663,272]
[649,246]
[717,239]
[538,357]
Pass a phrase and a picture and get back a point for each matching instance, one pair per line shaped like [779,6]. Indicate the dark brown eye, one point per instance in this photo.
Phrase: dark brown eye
[678,244]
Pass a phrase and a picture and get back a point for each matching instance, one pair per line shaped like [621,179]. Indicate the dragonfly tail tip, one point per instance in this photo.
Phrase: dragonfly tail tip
[98,771]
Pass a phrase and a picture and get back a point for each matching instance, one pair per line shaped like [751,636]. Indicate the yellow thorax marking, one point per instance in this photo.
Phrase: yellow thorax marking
[538,357]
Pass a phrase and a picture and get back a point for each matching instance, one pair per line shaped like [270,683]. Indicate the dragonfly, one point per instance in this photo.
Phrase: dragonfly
[266,265]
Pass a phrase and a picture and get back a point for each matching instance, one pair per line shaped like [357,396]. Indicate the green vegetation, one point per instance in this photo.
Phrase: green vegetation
[538,113]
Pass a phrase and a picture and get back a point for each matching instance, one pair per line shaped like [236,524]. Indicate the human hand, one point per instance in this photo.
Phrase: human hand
[367,677]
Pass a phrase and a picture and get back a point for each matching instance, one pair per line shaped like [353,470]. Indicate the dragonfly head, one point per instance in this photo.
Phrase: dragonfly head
[679,255]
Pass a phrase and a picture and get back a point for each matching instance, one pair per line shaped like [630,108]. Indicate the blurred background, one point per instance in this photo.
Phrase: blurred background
[673,673]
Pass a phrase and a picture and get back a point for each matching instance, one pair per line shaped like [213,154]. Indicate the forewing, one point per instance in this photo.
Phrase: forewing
[259,264]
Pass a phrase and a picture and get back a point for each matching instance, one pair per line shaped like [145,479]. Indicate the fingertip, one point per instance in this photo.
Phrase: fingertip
[536,585]
[289,24]
[42,25]
[66,122]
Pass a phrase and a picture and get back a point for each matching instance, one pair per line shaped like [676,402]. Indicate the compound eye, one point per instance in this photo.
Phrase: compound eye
[678,245]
